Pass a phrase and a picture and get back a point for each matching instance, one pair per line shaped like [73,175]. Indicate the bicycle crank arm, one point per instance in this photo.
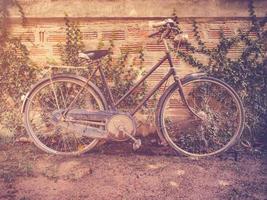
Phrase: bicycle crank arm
[137,142]
[84,130]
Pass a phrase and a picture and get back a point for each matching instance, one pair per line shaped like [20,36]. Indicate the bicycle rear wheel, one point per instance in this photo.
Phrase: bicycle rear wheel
[221,117]
[50,98]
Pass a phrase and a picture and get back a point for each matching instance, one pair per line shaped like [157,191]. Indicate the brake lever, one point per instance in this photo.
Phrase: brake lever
[153,34]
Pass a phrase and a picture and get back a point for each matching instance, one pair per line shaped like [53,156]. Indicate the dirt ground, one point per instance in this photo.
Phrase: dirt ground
[114,171]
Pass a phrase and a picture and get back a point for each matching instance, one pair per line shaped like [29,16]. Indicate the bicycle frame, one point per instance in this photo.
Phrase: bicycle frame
[171,72]
[114,104]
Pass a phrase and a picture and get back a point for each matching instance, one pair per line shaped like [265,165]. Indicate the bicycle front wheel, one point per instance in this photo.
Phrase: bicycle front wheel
[217,126]
[50,98]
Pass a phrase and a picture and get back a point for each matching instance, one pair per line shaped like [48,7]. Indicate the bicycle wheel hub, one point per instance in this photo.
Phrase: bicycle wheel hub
[202,115]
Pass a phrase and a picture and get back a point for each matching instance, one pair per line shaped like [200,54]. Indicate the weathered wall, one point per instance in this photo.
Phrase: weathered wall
[139,8]
[124,21]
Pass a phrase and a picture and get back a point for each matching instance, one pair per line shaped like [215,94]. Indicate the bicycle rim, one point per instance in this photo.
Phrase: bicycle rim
[52,96]
[219,126]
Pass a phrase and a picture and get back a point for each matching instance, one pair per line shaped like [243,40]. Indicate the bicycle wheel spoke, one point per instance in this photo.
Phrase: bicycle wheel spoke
[55,95]
[218,122]
[43,118]
[63,98]
[67,95]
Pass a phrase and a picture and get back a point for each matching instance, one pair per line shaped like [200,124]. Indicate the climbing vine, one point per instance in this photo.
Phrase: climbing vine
[73,45]
[247,74]
[16,70]
[121,72]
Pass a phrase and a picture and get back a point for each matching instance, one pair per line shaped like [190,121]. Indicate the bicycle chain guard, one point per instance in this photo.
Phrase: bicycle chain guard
[106,125]
[121,127]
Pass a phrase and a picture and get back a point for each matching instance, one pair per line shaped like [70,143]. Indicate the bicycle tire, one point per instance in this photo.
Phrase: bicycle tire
[43,84]
[177,141]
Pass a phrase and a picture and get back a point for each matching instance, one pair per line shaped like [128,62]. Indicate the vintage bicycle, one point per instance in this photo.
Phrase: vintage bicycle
[196,115]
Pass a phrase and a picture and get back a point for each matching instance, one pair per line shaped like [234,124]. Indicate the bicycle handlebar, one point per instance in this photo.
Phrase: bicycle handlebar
[166,26]
[158,24]
[162,23]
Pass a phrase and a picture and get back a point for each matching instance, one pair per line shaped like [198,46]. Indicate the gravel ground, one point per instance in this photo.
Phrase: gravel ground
[114,171]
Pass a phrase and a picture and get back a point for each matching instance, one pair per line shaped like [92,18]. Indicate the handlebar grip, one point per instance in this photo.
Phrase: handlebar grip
[162,23]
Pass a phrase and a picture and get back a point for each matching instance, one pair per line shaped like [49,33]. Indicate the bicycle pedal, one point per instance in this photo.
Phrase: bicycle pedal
[137,144]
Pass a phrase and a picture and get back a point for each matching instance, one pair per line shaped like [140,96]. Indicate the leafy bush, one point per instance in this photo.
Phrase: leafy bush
[247,74]
[16,72]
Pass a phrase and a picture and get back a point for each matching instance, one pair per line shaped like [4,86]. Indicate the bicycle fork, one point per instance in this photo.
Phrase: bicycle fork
[182,94]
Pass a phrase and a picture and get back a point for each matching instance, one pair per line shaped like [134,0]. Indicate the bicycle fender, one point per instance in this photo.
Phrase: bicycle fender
[26,97]
[80,78]
[192,76]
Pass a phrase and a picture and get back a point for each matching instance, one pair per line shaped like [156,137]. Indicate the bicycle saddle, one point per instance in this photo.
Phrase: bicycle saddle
[93,55]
